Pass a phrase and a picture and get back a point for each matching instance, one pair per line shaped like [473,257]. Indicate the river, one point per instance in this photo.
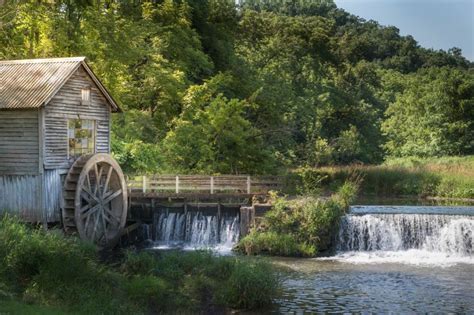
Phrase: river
[389,259]
[326,285]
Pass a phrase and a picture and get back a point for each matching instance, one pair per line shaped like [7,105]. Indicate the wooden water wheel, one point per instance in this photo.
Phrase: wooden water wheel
[95,200]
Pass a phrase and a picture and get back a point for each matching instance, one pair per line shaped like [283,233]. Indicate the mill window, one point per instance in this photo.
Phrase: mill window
[81,137]
[86,96]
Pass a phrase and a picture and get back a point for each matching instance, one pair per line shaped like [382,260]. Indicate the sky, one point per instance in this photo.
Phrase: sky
[438,24]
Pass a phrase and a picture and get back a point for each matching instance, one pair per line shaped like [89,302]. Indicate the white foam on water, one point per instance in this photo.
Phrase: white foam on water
[221,249]
[409,257]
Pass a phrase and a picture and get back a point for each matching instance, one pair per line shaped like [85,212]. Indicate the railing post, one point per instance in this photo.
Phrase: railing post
[212,185]
[144,184]
[248,185]
[177,184]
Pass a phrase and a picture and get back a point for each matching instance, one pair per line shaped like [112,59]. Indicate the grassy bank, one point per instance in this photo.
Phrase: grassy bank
[45,272]
[299,227]
[448,177]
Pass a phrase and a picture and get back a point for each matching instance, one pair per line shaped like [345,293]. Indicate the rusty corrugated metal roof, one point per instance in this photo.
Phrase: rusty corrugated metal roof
[30,83]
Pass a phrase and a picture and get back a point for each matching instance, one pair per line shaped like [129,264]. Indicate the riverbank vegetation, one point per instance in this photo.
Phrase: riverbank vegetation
[256,87]
[62,274]
[445,177]
[304,226]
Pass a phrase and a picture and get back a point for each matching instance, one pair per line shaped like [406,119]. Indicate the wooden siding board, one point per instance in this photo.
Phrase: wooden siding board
[18,195]
[52,194]
[66,104]
[23,195]
[19,142]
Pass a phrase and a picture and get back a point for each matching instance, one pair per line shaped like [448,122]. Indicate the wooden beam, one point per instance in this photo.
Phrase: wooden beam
[41,133]
[144,184]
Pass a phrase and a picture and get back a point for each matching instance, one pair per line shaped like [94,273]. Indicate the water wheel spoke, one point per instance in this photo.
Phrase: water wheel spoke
[104,225]
[95,226]
[91,194]
[86,207]
[103,236]
[99,177]
[88,180]
[86,226]
[111,196]
[86,197]
[107,180]
[111,215]
[107,219]
[89,210]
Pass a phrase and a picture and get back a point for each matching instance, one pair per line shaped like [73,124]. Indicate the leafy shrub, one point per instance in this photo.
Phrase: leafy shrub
[455,187]
[299,227]
[311,181]
[138,157]
[274,244]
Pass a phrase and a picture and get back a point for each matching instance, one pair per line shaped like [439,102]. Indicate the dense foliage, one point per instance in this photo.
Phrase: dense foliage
[46,268]
[257,86]
[300,227]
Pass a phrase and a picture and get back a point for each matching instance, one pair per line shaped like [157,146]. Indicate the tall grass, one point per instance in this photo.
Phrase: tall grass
[199,277]
[451,177]
[45,268]
[48,269]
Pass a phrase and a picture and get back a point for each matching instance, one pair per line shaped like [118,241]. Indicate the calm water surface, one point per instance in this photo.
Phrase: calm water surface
[324,286]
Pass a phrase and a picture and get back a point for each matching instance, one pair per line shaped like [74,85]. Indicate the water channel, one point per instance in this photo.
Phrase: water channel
[389,259]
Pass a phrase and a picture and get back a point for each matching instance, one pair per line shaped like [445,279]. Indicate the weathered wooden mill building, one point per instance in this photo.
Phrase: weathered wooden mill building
[55,118]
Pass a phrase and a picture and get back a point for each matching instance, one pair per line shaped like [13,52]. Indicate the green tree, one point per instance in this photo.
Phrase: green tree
[433,115]
[215,137]
[307,83]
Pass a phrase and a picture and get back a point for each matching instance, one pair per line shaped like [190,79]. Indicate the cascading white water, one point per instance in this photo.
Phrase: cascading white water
[406,237]
[196,230]
[395,232]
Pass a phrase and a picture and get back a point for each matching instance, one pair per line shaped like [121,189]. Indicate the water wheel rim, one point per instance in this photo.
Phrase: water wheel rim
[96,220]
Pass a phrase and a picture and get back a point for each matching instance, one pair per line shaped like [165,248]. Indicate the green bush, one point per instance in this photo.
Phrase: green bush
[274,244]
[138,157]
[454,186]
[300,227]
[311,181]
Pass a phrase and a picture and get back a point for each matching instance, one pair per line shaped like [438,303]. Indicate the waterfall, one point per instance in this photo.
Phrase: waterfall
[196,229]
[414,237]
[395,232]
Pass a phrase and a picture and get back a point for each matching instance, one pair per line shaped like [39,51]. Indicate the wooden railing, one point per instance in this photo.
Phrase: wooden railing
[222,184]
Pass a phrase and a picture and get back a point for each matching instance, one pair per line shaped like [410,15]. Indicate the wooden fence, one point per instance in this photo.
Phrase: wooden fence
[223,184]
